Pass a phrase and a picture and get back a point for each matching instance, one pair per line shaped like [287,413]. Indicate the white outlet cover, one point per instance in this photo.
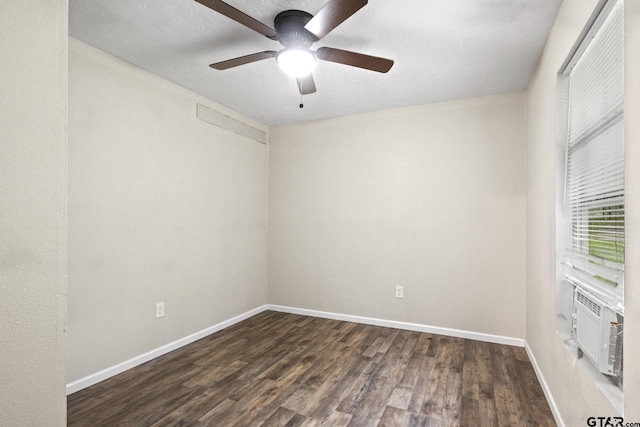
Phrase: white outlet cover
[399,291]
[159,310]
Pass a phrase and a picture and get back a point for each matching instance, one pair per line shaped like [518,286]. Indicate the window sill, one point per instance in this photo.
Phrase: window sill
[611,392]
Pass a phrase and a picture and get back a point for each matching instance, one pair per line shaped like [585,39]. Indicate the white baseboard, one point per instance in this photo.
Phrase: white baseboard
[143,358]
[545,387]
[497,339]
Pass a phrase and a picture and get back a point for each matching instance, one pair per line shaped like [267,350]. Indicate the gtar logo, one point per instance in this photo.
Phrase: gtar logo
[605,422]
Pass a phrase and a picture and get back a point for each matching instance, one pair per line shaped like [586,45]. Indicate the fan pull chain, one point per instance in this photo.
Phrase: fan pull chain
[301,104]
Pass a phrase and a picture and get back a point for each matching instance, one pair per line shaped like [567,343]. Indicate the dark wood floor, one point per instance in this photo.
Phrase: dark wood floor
[278,369]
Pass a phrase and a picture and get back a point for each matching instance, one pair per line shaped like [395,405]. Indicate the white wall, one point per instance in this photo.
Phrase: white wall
[162,207]
[573,390]
[33,155]
[429,197]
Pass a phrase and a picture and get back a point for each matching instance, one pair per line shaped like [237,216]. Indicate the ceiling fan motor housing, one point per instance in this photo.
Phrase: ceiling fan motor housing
[290,28]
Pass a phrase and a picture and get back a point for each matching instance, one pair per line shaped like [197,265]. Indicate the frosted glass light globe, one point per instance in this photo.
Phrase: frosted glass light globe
[296,62]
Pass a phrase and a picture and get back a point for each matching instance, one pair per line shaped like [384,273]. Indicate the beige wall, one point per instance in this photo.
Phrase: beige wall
[162,207]
[430,197]
[573,390]
[33,155]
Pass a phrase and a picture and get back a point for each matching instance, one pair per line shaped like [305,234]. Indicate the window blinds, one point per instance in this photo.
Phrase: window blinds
[595,155]
[596,80]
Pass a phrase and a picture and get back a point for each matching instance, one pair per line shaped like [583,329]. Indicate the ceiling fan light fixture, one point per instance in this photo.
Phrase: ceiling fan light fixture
[296,62]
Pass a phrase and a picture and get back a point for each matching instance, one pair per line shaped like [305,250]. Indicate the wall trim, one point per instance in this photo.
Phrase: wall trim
[545,387]
[143,358]
[478,336]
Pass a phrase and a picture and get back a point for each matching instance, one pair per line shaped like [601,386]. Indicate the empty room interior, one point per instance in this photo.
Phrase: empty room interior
[437,223]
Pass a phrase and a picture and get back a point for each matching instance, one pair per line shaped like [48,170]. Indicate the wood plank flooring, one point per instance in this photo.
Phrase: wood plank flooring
[278,369]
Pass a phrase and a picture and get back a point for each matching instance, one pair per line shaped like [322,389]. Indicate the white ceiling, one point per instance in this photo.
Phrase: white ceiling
[443,50]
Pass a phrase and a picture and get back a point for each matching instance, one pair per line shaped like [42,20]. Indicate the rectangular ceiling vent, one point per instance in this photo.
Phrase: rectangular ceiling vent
[223,121]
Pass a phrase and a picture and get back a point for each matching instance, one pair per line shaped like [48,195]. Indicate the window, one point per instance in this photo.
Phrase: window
[606,233]
[590,223]
[594,190]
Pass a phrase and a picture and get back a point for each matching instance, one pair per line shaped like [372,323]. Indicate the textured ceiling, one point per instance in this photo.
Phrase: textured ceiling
[443,50]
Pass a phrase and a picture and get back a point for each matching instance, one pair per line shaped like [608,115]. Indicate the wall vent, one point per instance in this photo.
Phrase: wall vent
[223,121]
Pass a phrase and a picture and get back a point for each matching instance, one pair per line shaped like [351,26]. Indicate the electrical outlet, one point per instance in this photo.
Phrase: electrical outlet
[399,291]
[159,310]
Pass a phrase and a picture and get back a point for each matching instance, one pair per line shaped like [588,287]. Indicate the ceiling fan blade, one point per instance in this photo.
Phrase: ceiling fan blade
[306,85]
[331,15]
[240,17]
[373,63]
[230,63]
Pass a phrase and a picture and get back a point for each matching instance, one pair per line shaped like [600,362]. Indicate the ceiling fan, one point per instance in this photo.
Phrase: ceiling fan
[296,31]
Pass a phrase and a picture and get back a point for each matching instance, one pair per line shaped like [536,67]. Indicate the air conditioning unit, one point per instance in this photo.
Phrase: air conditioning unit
[598,332]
